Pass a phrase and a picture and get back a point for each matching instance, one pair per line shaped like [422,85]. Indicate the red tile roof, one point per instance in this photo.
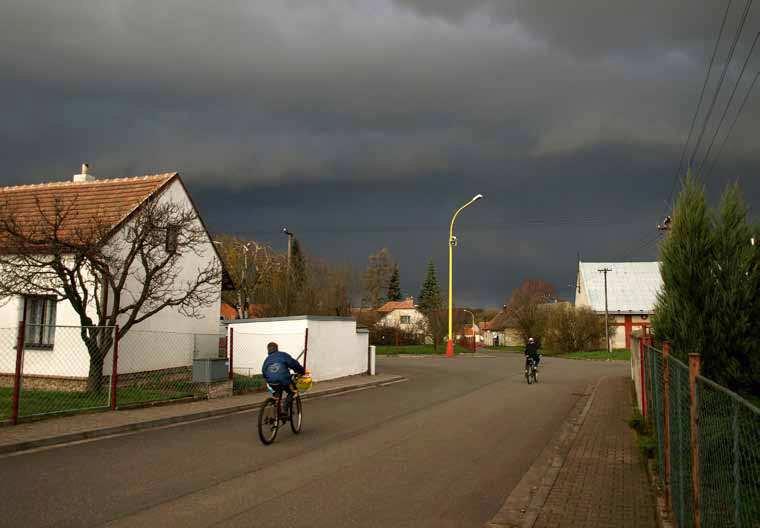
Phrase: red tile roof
[106,203]
[229,312]
[406,304]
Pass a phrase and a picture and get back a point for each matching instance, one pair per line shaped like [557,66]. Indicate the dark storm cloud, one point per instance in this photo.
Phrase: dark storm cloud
[378,115]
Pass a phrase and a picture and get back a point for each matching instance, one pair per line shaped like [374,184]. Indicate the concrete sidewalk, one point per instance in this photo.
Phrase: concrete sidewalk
[61,430]
[591,475]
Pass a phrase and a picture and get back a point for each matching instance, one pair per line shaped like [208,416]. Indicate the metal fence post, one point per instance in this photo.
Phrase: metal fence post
[695,361]
[666,421]
[115,367]
[644,373]
[18,372]
[737,474]
[232,350]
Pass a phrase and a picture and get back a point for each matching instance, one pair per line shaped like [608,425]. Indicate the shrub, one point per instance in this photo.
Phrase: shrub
[571,329]
[393,336]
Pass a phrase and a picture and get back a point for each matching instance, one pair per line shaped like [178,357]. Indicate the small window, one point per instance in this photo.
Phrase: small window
[172,238]
[40,321]
[406,319]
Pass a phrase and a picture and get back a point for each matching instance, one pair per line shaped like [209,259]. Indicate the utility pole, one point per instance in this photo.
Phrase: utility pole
[606,310]
[287,278]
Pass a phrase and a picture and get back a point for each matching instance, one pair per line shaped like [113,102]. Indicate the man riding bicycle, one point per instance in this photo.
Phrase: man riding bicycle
[531,351]
[276,370]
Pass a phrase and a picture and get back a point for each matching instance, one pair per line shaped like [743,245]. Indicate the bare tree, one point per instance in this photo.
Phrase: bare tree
[250,263]
[108,276]
[528,306]
[379,269]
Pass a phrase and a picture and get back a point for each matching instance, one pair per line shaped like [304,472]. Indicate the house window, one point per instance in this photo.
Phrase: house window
[40,321]
[406,319]
[172,238]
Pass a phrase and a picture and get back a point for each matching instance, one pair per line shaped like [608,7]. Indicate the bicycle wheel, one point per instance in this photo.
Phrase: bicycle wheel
[268,421]
[535,375]
[528,376]
[296,415]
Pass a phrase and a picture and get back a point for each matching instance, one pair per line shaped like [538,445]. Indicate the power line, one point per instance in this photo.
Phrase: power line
[699,103]
[729,58]
[733,124]
[642,245]
[728,104]
[560,222]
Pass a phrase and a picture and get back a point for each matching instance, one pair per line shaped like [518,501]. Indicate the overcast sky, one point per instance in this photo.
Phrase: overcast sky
[364,124]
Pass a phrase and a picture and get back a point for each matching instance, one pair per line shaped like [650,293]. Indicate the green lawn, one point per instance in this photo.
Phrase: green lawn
[622,354]
[383,350]
[506,348]
[36,402]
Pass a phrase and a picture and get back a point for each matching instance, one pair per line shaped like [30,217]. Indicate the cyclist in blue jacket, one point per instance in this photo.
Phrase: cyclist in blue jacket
[277,367]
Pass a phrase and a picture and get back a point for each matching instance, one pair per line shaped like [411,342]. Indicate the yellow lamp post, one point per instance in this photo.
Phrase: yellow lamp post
[452,243]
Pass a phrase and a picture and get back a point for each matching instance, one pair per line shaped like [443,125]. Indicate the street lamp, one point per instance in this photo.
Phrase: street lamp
[452,243]
[473,328]
[287,276]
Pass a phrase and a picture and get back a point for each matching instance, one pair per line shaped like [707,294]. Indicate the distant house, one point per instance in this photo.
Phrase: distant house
[631,294]
[468,331]
[502,330]
[401,314]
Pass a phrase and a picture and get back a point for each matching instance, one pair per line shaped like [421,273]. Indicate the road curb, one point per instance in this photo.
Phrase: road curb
[523,505]
[169,420]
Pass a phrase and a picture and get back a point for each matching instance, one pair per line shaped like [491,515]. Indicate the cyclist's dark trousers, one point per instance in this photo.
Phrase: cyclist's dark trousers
[288,389]
[536,360]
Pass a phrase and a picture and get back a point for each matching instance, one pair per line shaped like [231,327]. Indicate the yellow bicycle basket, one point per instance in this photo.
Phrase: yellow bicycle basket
[303,383]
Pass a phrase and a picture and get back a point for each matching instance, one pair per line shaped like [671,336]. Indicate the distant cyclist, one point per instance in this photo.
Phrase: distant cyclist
[277,367]
[531,351]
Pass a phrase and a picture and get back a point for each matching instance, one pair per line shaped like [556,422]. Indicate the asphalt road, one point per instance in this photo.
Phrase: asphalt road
[441,450]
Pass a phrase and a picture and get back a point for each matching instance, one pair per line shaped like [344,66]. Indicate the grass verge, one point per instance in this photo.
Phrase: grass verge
[644,436]
[384,350]
[620,354]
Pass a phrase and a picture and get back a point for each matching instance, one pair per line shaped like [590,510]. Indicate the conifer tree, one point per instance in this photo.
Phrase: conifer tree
[394,285]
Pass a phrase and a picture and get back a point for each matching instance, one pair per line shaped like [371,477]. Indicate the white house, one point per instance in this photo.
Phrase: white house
[165,340]
[401,314]
[631,294]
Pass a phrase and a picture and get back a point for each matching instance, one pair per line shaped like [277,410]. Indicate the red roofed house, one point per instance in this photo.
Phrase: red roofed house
[104,209]
[401,314]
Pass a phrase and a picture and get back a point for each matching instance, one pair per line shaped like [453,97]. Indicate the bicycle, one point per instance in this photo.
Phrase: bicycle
[277,411]
[531,371]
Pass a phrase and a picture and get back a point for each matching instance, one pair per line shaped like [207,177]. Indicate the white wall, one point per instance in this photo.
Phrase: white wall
[170,339]
[250,338]
[335,347]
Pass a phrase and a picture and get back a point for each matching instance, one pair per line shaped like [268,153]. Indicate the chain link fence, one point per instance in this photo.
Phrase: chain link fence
[679,442]
[158,366]
[682,407]
[729,458]
[70,369]
[65,369]
[8,341]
